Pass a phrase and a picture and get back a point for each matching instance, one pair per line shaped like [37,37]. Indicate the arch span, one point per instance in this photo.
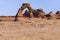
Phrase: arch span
[25,5]
[20,11]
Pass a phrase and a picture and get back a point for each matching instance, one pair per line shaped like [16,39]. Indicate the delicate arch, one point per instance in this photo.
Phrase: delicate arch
[20,11]
[25,5]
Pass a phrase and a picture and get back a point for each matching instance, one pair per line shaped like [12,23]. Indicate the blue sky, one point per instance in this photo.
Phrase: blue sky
[10,7]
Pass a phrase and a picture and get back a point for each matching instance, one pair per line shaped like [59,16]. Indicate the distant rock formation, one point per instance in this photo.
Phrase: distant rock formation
[51,15]
[32,13]
[25,5]
[58,14]
[41,13]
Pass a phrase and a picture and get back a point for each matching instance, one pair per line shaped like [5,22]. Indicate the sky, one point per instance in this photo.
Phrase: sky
[10,7]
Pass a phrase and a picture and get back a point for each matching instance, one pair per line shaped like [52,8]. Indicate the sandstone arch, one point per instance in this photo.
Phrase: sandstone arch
[20,11]
[25,5]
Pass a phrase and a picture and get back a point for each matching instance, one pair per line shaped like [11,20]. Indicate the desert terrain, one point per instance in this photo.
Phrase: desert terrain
[30,29]
[32,25]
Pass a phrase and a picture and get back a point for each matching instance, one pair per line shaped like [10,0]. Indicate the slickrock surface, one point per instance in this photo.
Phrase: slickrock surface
[30,30]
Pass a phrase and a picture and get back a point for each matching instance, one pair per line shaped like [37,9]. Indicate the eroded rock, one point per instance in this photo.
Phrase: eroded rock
[58,14]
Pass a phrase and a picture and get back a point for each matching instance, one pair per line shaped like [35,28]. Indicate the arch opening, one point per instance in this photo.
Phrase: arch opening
[24,6]
[26,9]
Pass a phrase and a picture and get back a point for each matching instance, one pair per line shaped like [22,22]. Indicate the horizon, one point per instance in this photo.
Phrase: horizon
[10,7]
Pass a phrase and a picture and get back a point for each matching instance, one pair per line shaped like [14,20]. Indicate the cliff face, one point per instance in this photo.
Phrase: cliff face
[30,30]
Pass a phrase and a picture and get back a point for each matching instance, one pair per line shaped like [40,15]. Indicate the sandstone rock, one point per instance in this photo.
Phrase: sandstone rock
[51,15]
[28,14]
[58,14]
[32,13]
[40,13]
[35,14]
[25,5]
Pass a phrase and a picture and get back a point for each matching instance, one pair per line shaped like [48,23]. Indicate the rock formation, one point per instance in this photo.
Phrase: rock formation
[41,13]
[51,15]
[25,5]
[35,13]
[58,14]
[32,13]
